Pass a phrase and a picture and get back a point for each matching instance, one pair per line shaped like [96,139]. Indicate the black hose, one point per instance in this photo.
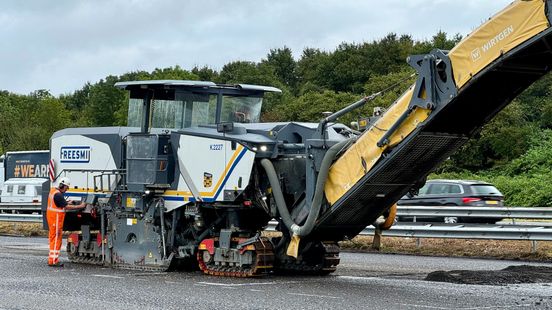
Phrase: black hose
[306,228]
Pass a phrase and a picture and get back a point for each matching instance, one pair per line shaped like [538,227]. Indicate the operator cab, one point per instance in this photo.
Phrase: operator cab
[178,104]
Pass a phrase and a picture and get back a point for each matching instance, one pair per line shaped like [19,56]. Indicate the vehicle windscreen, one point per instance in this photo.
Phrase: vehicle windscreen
[485,189]
[189,111]
[192,110]
[241,109]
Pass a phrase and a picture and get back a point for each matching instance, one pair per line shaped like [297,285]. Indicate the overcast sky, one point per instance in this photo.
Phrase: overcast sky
[61,44]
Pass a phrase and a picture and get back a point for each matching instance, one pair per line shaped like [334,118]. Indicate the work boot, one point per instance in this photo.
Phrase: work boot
[56,265]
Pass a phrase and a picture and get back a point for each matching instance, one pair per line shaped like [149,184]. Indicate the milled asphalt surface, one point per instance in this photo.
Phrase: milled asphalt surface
[362,281]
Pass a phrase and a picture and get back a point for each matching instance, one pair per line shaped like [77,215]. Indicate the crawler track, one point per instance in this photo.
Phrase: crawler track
[263,256]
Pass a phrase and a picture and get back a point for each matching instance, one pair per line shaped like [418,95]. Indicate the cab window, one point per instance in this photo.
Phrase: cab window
[21,189]
[241,109]
[189,110]
[9,189]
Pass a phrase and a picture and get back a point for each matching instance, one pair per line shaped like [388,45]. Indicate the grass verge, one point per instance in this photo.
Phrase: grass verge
[501,249]
[23,229]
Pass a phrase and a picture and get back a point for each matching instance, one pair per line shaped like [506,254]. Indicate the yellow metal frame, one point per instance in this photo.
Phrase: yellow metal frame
[517,23]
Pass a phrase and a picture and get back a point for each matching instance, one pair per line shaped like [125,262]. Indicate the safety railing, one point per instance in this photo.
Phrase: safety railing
[468,211]
[535,232]
[20,206]
[27,218]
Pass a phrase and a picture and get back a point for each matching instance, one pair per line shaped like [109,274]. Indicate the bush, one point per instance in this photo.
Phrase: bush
[525,190]
[525,181]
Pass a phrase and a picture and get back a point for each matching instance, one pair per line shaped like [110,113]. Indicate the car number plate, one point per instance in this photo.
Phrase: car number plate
[492,202]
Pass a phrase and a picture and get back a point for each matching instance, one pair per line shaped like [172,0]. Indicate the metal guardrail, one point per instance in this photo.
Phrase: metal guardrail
[494,232]
[465,231]
[20,206]
[461,231]
[465,211]
[433,230]
[28,218]
[457,231]
[410,211]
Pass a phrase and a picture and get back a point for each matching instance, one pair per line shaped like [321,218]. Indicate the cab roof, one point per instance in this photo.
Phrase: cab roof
[182,84]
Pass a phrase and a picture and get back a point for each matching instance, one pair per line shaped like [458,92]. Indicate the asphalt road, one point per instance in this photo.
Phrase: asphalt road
[362,281]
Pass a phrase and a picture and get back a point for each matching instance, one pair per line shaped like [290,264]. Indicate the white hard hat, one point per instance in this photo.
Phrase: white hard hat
[64,181]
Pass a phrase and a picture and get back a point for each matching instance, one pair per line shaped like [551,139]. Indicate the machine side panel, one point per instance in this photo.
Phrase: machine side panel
[214,166]
[237,177]
[78,152]
[509,28]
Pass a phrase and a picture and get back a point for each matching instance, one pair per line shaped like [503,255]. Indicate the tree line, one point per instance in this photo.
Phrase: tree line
[515,144]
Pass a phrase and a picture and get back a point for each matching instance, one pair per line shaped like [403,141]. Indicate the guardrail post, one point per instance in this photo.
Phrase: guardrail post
[534,245]
[376,241]
[418,243]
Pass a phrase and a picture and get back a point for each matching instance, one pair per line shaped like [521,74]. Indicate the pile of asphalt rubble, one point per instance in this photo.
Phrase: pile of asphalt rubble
[508,275]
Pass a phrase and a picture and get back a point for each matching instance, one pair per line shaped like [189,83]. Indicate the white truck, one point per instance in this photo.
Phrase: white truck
[21,178]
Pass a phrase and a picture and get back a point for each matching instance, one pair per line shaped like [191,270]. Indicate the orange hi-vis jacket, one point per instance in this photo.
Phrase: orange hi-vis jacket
[55,217]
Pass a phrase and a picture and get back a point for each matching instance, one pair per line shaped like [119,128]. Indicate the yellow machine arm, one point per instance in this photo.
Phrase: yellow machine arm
[513,26]
[455,94]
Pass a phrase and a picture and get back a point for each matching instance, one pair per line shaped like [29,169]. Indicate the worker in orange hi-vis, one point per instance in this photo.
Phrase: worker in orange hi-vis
[55,214]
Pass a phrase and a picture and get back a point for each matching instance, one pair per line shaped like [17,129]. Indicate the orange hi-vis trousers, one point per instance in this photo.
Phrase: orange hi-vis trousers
[55,217]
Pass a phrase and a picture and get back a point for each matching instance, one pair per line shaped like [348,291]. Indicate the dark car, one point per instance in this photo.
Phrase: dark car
[455,193]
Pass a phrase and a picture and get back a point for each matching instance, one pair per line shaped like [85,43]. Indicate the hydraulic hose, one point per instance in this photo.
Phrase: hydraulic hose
[318,193]
[389,220]
[161,205]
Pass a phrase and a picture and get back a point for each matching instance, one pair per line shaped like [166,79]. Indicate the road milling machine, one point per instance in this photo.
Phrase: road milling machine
[196,177]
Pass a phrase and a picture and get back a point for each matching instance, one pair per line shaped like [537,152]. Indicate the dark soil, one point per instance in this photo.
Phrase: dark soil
[508,275]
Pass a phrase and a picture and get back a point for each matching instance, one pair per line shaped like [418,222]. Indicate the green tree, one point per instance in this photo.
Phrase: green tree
[247,72]
[104,103]
[309,70]
[283,65]
[172,73]
[9,118]
[309,107]
[205,73]
[505,138]
[49,116]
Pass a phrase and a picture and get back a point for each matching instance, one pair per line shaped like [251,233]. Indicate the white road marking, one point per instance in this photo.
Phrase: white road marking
[426,307]
[254,290]
[214,284]
[245,284]
[358,278]
[146,274]
[312,295]
[469,308]
[107,276]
